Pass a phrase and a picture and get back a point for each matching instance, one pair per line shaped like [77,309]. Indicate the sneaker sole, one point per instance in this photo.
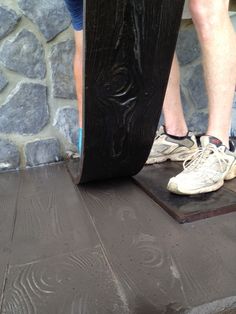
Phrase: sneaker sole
[231,173]
[173,157]
[173,187]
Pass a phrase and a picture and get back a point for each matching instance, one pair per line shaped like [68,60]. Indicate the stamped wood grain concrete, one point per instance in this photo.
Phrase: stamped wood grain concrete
[77,282]
[57,263]
[50,216]
[9,188]
[170,266]
[107,248]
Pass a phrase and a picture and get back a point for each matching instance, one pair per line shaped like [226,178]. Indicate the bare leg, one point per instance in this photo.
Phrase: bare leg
[172,108]
[218,42]
[175,125]
[78,71]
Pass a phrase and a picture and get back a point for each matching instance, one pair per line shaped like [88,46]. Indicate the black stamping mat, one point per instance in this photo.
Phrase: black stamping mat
[154,179]
[129,46]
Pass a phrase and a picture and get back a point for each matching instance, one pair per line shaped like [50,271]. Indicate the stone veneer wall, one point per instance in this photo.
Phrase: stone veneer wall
[37,95]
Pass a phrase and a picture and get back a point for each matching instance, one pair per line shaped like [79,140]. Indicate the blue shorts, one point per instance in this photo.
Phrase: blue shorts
[75,8]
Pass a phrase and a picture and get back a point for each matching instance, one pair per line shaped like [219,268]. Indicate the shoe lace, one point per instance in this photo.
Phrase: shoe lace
[196,160]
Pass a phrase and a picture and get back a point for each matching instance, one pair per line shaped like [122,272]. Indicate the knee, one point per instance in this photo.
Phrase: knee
[208,13]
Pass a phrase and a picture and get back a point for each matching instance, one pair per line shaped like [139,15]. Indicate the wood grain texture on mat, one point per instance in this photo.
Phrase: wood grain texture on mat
[129,51]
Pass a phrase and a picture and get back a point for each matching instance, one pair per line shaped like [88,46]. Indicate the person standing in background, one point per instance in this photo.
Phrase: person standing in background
[215,160]
[75,8]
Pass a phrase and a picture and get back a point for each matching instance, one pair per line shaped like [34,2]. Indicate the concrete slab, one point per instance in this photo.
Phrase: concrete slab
[9,189]
[107,248]
[175,268]
[50,216]
[57,263]
[76,282]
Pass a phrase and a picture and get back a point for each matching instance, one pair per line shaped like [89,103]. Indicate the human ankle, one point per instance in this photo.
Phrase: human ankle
[222,138]
[179,132]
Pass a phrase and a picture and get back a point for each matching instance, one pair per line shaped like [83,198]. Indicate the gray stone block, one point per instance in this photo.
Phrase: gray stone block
[197,122]
[3,81]
[9,156]
[26,110]
[9,20]
[234,102]
[233,20]
[186,103]
[61,60]
[233,127]
[66,122]
[188,48]
[42,152]
[197,89]
[24,54]
[51,16]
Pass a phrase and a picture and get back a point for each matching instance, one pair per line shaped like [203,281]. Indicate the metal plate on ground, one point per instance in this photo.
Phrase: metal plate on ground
[153,180]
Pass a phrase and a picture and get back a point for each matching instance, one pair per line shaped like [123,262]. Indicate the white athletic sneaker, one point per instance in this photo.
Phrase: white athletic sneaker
[170,147]
[206,171]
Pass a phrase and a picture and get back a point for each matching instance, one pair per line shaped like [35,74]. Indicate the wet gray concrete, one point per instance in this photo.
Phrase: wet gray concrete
[107,248]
